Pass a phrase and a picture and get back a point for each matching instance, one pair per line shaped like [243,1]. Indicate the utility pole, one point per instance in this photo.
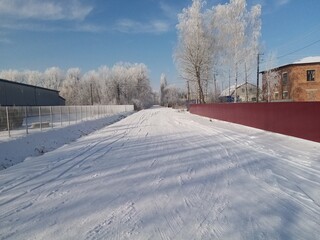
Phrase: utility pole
[258,73]
[215,87]
[235,89]
[229,87]
[188,94]
[246,76]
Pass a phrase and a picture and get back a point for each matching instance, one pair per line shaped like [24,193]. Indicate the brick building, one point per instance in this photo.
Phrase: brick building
[298,82]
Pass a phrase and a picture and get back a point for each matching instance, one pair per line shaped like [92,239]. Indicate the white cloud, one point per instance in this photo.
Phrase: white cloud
[132,26]
[88,28]
[44,9]
[160,26]
[282,2]
[39,27]
[168,10]
[43,15]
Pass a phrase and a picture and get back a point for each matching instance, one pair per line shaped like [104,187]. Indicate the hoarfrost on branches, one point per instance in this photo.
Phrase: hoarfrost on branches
[124,83]
[222,41]
[194,53]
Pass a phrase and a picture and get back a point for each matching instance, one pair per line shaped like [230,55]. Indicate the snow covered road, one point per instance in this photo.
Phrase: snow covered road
[166,174]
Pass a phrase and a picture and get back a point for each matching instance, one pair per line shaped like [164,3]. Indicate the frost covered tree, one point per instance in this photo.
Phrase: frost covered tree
[70,87]
[33,78]
[90,88]
[143,91]
[194,53]
[271,79]
[173,96]
[124,83]
[237,31]
[163,85]
[53,78]
[12,75]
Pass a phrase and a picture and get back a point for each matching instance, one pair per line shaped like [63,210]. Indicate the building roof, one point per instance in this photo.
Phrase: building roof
[303,61]
[27,85]
[226,91]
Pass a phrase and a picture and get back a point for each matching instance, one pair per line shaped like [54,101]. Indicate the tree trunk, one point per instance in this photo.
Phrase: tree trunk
[200,91]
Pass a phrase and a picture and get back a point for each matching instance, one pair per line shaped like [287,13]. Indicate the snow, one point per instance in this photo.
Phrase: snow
[232,88]
[166,174]
[229,91]
[48,139]
[315,59]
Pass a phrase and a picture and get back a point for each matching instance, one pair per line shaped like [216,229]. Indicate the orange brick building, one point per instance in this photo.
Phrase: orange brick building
[298,82]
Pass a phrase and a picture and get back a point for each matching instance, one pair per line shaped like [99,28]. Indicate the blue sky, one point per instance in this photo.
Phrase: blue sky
[38,34]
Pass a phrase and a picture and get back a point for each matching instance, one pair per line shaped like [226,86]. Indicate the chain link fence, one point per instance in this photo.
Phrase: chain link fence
[16,121]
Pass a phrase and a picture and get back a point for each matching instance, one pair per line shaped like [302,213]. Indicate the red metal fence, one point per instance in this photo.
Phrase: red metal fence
[298,119]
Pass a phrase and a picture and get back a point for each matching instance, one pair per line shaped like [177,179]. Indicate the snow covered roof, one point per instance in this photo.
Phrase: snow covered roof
[306,60]
[226,91]
[314,59]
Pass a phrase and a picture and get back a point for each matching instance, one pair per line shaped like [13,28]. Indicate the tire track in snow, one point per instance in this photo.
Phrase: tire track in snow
[183,183]
[54,168]
[126,214]
[89,151]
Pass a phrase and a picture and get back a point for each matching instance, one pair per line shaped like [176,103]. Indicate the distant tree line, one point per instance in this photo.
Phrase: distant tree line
[170,95]
[124,83]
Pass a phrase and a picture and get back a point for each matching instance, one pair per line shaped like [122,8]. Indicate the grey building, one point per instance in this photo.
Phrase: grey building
[20,94]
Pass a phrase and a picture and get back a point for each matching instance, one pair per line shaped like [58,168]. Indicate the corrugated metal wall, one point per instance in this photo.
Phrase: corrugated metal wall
[298,119]
[15,94]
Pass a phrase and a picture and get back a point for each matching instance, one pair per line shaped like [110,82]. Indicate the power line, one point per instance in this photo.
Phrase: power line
[302,37]
[309,45]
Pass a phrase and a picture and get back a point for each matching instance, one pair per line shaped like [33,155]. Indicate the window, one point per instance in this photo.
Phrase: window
[285,95]
[284,78]
[276,95]
[311,75]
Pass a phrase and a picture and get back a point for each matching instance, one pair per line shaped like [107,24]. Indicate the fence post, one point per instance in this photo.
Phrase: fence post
[26,117]
[40,119]
[51,117]
[60,116]
[8,121]
[81,113]
[76,110]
